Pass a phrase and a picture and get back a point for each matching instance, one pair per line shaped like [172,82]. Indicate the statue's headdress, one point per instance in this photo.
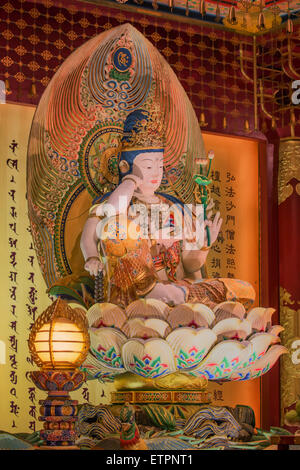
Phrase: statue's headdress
[144,131]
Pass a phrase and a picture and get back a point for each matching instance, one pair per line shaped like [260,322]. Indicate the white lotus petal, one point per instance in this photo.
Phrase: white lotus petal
[222,360]
[256,348]
[160,326]
[106,346]
[233,328]
[275,330]
[261,342]
[151,358]
[97,370]
[147,308]
[193,315]
[145,328]
[106,314]
[260,367]
[229,309]
[259,317]
[135,328]
[190,346]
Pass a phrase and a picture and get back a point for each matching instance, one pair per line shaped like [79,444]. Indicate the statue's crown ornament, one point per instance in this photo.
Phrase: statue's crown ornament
[144,130]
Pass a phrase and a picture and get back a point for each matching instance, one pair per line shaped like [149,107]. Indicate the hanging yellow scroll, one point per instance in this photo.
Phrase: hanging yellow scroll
[23,289]
[235,254]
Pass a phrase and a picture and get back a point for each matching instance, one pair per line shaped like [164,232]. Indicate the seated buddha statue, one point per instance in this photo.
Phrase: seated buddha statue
[145,253]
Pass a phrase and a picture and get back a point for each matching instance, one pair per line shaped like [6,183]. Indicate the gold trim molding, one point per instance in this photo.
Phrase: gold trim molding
[156,396]
[289,168]
[176,381]
[289,371]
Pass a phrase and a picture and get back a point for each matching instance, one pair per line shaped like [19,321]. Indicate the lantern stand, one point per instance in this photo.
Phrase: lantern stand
[59,343]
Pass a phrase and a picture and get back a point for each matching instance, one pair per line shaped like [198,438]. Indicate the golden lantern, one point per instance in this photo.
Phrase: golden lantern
[59,338]
[59,343]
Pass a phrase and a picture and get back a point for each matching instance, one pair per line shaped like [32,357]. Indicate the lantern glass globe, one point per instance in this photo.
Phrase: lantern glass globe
[59,344]
[59,338]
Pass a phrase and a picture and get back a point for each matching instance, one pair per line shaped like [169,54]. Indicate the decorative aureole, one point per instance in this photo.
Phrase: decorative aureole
[59,338]
[122,73]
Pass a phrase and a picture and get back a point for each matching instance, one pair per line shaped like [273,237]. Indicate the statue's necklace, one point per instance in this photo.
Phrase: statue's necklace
[147,199]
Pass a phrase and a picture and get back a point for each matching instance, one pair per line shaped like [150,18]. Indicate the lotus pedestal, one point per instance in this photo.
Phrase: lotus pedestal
[160,359]
[191,397]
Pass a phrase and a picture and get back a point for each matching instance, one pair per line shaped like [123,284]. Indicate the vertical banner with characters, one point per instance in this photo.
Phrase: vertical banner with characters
[235,254]
[23,289]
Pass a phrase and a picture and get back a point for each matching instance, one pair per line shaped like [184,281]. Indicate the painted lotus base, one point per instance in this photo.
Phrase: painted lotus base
[190,397]
[153,341]
[58,382]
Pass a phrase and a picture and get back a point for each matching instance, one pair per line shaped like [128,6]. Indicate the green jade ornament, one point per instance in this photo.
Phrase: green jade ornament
[203,181]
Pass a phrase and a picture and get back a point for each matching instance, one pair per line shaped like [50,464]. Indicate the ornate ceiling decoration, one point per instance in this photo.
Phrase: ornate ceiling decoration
[250,16]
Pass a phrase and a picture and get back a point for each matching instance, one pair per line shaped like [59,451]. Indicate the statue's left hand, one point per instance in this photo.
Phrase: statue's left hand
[93,266]
[214,227]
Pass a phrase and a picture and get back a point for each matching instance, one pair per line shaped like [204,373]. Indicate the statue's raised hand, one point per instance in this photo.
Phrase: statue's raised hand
[209,208]
[134,178]
[214,227]
[93,265]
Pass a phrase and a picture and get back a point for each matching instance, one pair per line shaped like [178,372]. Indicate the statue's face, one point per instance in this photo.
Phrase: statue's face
[149,167]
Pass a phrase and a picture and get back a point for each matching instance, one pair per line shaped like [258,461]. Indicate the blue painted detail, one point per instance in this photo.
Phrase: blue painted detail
[209,375]
[122,59]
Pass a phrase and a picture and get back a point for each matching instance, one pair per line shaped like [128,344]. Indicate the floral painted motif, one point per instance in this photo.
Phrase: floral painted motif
[190,358]
[149,367]
[109,357]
